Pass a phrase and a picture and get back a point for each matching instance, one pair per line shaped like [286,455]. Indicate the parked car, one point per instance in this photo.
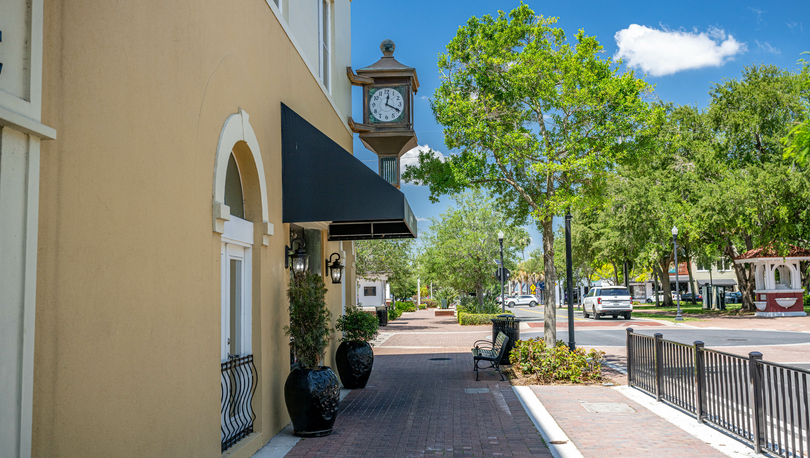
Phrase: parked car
[651,299]
[734,297]
[609,300]
[688,297]
[523,299]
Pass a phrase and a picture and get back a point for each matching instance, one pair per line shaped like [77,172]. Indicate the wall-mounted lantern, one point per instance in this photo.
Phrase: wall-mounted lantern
[335,269]
[298,258]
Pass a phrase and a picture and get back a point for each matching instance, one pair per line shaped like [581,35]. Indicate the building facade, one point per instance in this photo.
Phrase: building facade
[154,229]
[374,291]
[720,273]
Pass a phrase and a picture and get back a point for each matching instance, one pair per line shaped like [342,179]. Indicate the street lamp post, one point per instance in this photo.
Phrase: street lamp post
[502,271]
[678,316]
[569,276]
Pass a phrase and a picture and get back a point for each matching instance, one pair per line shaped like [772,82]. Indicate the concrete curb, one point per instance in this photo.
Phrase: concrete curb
[546,425]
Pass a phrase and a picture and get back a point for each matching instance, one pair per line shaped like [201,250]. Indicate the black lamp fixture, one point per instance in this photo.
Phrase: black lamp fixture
[299,258]
[335,269]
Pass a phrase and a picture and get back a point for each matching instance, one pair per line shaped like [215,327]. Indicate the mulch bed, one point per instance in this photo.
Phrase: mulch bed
[522,380]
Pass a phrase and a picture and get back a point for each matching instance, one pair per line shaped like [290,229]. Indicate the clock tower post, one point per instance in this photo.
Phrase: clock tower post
[387,127]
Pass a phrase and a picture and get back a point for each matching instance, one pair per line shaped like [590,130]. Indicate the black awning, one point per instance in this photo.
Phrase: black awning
[323,182]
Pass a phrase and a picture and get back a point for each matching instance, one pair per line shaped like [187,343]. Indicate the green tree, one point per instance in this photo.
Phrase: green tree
[797,141]
[462,243]
[753,195]
[393,258]
[537,120]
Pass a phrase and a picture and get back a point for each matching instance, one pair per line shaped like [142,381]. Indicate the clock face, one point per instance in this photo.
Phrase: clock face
[386,105]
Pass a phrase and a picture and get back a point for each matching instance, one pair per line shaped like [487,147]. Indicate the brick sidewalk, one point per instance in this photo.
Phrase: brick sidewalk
[415,404]
[639,433]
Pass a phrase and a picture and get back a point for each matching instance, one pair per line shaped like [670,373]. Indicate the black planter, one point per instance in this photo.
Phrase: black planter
[354,362]
[312,397]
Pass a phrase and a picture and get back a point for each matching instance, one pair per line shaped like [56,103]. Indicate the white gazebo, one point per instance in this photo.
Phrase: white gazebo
[778,290]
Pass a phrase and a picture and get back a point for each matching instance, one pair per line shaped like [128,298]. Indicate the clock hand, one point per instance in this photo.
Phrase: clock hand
[392,107]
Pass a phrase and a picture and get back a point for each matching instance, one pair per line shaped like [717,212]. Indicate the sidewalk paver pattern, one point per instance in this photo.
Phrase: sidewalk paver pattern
[422,399]
[418,402]
[612,433]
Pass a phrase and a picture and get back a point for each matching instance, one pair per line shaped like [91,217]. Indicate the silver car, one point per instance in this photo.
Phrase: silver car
[524,299]
[608,300]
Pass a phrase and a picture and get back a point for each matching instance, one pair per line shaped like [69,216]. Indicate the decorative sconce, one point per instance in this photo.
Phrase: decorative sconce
[299,258]
[335,269]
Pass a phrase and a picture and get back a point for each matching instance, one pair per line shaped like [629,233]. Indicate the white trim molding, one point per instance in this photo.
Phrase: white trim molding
[314,70]
[237,128]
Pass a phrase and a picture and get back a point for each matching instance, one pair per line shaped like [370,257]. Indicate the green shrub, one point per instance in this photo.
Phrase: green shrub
[429,303]
[393,313]
[357,326]
[405,306]
[473,319]
[532,358]
[310,318]
[470,304]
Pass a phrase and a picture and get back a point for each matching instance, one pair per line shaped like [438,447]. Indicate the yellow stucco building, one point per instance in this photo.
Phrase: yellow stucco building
[156,160]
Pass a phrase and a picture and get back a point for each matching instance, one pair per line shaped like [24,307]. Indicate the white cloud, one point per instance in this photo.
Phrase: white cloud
[664,52]
[766,47]
[419,218]
[424,97]
[758,13]
[412,157]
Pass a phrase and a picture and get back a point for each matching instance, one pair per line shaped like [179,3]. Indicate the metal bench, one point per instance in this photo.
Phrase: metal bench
[490,351]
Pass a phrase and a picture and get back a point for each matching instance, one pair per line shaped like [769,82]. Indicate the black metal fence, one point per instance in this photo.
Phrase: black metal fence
[762,403]
[238,381]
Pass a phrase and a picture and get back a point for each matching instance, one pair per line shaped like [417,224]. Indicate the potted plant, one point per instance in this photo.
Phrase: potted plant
[354,357]
[311,393]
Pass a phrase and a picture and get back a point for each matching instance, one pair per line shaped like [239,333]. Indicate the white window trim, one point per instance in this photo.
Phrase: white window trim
[313,70]
[237,128]
[238,233]
[325,42]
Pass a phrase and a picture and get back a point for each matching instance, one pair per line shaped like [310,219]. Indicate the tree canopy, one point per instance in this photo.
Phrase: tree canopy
[460,246]
[393,258]
[537,120]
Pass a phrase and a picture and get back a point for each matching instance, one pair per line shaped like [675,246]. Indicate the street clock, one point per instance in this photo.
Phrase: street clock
[387,127]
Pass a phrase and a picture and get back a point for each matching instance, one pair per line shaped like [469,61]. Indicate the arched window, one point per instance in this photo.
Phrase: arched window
[233,189]
[781,277]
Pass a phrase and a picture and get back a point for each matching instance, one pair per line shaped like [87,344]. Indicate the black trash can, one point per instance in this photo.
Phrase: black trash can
[510,326]
[382,315]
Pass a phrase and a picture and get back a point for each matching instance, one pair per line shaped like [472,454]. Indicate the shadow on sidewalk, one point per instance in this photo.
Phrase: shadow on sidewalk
[428,404]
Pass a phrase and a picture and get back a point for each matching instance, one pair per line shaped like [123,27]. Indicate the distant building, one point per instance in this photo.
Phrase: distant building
[718,274]
[374,291]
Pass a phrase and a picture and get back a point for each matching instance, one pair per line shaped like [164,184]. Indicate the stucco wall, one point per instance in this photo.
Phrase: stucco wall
[128,302]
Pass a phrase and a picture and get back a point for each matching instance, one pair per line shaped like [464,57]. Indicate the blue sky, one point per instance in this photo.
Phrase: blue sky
[704,42]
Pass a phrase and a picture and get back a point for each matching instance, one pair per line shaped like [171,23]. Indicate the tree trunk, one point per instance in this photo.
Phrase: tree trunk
[745,278]
[665,283]
[615,274]
[479,294]
[550,314]
[691,278]
[655,286]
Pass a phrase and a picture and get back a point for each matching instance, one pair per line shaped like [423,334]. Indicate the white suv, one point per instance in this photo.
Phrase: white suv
[608,300]
[524,299]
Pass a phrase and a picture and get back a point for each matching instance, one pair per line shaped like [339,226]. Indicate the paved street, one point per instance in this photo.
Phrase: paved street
[710,337]
[611,332]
